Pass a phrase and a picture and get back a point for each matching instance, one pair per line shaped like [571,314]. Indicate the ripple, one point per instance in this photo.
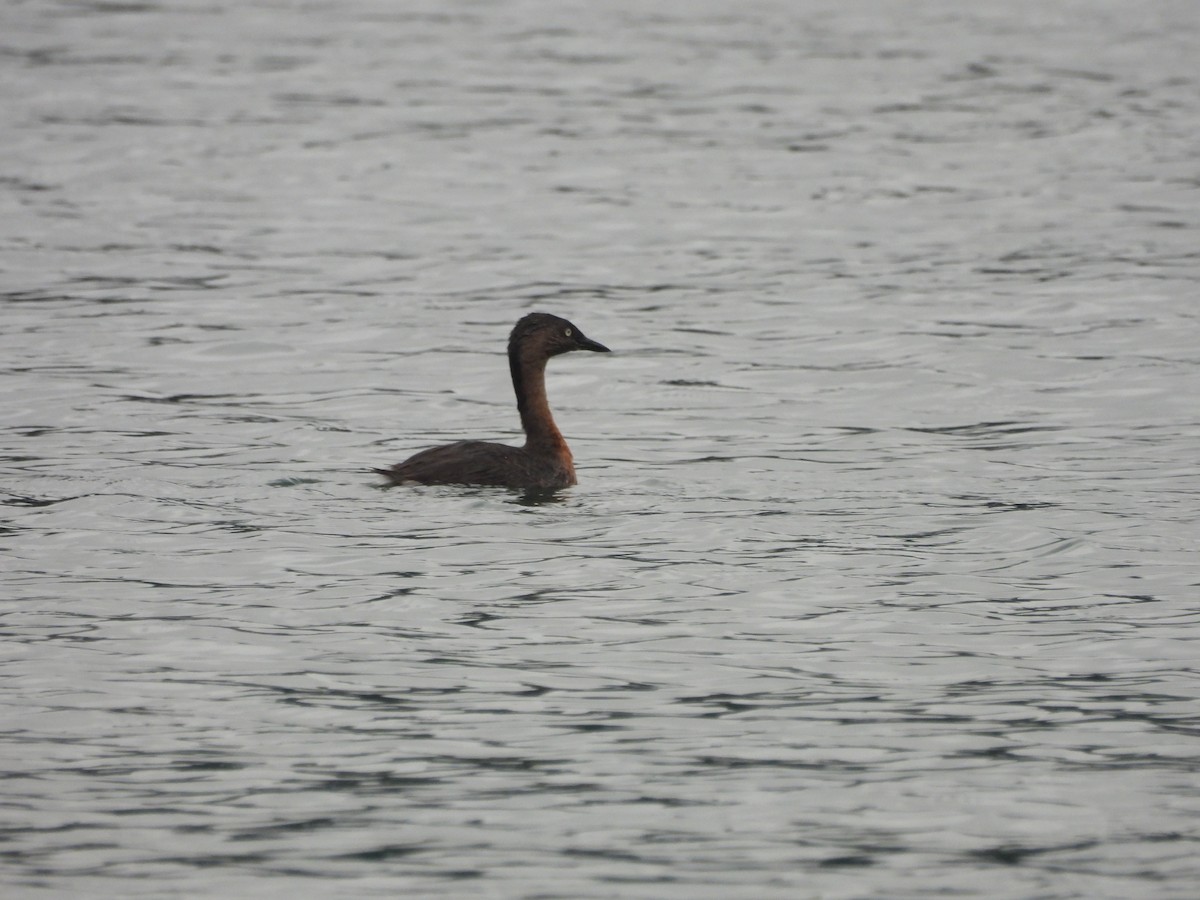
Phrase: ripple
[878,578]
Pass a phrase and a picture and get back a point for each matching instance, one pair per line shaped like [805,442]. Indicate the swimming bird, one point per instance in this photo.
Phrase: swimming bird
[545,461]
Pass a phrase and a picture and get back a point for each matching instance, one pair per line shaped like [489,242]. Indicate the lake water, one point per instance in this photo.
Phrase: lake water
[880,580]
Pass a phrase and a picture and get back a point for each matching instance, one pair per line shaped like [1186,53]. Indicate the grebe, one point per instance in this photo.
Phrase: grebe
[545,462]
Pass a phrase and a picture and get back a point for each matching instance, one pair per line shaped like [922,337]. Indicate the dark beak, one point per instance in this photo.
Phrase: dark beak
[584,343]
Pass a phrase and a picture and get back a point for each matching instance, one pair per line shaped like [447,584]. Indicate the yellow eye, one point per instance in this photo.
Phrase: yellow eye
[567,332]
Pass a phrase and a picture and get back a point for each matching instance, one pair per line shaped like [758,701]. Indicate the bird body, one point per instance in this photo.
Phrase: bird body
[545,461]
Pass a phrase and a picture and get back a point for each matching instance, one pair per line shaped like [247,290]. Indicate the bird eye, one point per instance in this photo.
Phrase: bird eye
[567,332]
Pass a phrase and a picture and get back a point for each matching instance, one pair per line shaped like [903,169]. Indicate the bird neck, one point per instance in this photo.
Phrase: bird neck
[529,383]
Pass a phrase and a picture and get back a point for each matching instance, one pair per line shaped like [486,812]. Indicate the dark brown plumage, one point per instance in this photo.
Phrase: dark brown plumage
[544,462]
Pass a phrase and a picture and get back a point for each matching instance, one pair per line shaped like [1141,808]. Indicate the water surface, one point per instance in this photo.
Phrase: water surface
[880,577]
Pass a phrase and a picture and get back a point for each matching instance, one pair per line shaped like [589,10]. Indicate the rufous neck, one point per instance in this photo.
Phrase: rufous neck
[529,382]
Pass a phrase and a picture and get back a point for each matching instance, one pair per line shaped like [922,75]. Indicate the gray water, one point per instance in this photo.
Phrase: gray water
[880,578]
